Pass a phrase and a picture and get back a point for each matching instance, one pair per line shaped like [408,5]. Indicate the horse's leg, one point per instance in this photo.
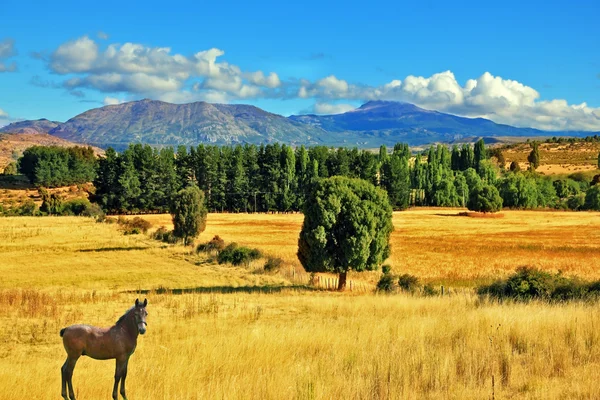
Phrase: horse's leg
[63,376]
[123,376]
[118,375]
[70,363]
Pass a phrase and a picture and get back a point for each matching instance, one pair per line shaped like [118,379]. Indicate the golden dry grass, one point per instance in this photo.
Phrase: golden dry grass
[441,246]
[294,343]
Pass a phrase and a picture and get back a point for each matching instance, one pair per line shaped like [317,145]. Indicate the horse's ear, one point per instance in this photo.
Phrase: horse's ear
[145,302]
[137,302]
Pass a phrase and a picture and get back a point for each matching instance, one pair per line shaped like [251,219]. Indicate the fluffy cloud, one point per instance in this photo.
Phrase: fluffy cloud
[102,35]
[7,50]
[328,108]
[501,100]
[156,72]
[3,114]
[135,70]
[111,101]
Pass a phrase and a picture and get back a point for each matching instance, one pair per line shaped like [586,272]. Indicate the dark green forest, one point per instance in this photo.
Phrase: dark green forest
[277,178]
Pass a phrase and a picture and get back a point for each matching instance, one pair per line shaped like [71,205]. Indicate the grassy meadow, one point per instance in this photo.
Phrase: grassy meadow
[238,333]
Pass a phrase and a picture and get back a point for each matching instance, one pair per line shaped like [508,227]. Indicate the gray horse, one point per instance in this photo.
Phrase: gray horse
[116,342]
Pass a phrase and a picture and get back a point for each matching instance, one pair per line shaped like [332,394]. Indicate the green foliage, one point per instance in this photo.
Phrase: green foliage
[237,255]
[592,198]
[529,283]
[408,283]
[347,226]
[534,157]
[386,283]
[485,198]
[164,235]
[430,290]
[53,166]
[52,204]
[188,211]
[216,244]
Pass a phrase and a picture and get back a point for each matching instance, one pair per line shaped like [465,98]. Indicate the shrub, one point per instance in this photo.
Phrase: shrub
[28,208]
[529,283]
[273,264]
[386,283]
[429,290]
[408,283]
[164,235]
[133,226]
[216,244]
[237,255]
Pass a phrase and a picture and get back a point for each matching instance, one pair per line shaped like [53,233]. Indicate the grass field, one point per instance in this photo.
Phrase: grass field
[240,334]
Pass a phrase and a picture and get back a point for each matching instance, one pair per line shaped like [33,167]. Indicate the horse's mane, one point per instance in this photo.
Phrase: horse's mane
[122,318]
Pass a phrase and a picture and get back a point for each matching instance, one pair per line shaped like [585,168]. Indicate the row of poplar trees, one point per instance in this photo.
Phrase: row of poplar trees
[276,177]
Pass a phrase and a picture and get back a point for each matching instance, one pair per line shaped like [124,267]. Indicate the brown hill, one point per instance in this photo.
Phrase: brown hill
[12,145]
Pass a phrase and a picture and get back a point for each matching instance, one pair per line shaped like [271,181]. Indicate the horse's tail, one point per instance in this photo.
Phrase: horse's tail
[62,331]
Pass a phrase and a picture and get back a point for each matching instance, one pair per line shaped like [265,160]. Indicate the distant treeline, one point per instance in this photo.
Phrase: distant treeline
[52,166]
[276,177]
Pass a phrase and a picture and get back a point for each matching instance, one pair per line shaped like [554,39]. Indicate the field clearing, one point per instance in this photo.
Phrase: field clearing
[440,246]
[231,338]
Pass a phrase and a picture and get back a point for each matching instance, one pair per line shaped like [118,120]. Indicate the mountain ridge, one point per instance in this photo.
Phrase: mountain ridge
[374,123]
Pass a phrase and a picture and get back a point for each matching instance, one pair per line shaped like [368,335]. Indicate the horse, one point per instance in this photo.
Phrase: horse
[118,342]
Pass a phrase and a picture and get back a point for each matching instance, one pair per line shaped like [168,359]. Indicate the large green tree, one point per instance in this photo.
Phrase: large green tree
[485,198]
[347,226]
[188,211]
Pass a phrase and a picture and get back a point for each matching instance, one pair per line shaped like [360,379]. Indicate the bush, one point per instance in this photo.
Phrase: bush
[408,283]
[529,283]
[273,264]
[134,226]
[386,283]
[165,235]
[216,244]
[429,290]
[485,198]
[237,255]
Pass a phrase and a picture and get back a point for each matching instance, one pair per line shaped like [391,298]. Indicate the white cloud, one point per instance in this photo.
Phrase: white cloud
[75,56]
[102,35]
[111,101]
[4,119]
[154,71]
[7,50]
[328,108]
[137,70]
[3,114]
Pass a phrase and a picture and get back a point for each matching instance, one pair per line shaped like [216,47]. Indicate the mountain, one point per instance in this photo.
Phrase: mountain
[374,123]
[165,124]
[390,122]
[30,127]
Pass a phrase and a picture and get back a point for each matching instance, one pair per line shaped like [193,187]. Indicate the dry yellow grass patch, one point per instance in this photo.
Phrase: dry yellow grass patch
[294,343]
[441,246]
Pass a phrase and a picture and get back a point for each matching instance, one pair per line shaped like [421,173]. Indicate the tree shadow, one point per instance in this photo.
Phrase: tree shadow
[267,289]
[102,249]
[449,215]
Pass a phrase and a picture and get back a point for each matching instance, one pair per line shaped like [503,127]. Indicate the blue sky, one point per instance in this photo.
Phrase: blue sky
[534,64]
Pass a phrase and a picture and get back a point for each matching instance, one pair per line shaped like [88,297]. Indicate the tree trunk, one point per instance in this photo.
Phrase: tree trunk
[342,281]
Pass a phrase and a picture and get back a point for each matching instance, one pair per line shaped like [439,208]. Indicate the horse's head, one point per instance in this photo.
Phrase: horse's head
[140,314]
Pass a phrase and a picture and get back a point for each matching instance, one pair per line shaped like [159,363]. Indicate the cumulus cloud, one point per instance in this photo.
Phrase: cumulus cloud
[137,70]
[7,50]
[155,71]
[329,108]
[488,96]
[111,101]
[4,118]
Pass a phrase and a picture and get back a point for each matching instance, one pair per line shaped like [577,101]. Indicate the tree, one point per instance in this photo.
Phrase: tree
[10,169]
[188,211]
[599,160]
[347,226]
[534,157]
[485,198]
[480,153]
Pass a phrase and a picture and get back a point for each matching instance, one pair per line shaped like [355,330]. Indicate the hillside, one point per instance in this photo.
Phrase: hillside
[12,145]
[374,123]
[164,124]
